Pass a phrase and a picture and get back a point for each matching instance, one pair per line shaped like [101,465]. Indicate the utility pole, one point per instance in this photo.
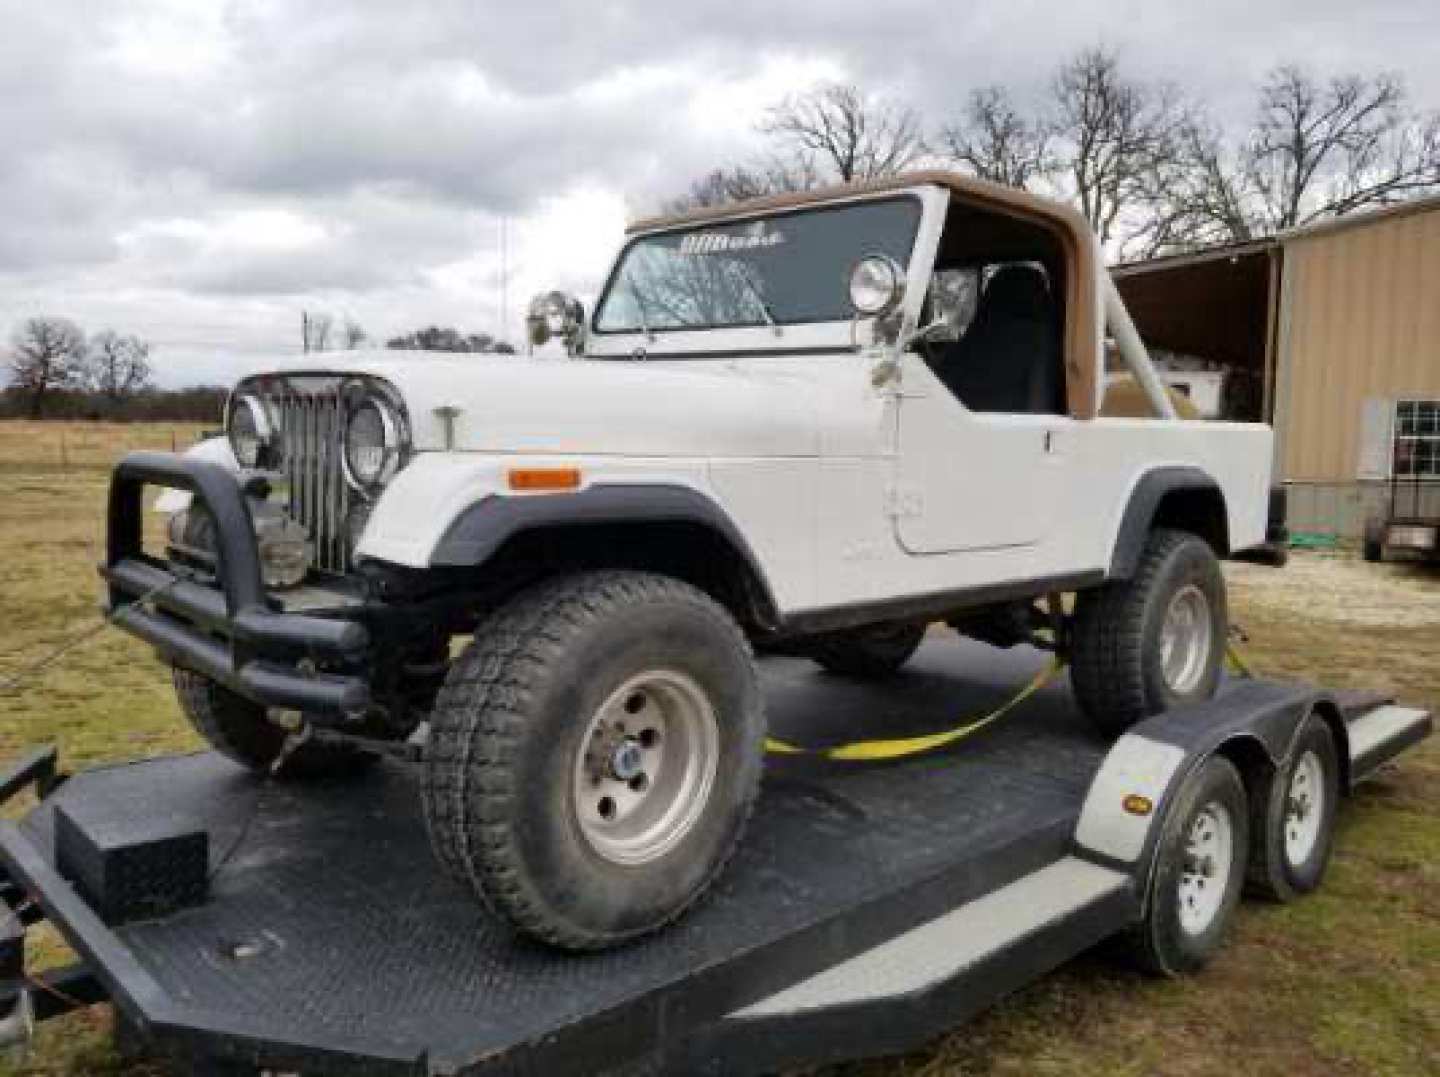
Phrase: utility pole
[505,279]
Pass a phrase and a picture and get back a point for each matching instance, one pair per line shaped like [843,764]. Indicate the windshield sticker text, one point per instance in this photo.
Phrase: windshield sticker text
[720,243]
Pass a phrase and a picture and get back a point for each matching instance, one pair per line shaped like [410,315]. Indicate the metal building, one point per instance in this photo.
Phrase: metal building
[1330,332]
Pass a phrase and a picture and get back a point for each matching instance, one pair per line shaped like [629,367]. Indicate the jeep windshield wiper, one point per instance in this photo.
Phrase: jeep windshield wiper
[639,305]
[765,310]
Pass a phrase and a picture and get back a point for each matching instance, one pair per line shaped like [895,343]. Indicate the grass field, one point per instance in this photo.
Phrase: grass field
[1347,982]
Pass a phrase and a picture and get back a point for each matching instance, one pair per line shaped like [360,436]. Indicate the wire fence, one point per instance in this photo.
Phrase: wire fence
[27,445]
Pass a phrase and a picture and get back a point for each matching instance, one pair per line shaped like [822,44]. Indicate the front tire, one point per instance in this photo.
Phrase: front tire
[238,729]
[594,756]
[1155,641]
[868,653]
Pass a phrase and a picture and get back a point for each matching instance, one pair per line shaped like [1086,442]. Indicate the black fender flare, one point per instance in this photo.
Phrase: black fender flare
[480,530]
[1140,511]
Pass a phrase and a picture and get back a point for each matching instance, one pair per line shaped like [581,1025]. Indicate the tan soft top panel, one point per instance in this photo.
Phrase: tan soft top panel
[1076,240]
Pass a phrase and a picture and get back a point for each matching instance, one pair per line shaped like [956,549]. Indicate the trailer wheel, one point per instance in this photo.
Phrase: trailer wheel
[1294,825]
[594,756]
[238,729]
[1155,641]
[1199,871]
[1373,543]
[870,652]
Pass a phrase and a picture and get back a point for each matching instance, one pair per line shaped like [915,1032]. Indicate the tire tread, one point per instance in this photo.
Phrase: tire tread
[1107,653]
[480,718]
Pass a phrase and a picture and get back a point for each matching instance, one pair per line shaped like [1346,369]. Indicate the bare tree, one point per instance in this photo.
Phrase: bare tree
[352,335]
[739,182]
[117,366]
[845,131]
[1323,149]
[997,142]
[46,354]
[1112,133]
[832,133]
[1316,149]
[1188,198]
[435,338]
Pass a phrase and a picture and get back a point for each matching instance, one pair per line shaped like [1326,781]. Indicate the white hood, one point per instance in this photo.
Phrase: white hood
[763,406]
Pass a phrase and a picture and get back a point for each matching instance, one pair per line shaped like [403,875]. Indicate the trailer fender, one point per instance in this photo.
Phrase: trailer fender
[1254,724]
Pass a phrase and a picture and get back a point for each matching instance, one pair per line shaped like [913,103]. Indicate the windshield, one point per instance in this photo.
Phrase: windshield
[780,270]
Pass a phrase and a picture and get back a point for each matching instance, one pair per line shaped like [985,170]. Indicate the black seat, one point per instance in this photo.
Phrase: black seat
[1008,360]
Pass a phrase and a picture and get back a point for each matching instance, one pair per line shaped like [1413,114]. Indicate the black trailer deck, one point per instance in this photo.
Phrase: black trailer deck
[871,905]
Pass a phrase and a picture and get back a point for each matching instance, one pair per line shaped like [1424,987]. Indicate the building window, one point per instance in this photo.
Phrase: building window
[1417,439]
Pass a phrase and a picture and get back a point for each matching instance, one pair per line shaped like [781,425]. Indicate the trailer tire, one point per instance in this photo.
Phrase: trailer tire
[1198,874]
[868,653]
[1119,667]
[529,735]
[1294,823]
[1373,544]
[237,728]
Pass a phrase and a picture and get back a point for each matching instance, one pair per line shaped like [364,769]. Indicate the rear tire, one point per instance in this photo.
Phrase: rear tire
[238,729]
[1294,825]
[1199,872]
[868,653]
[1155,641]
[594,756]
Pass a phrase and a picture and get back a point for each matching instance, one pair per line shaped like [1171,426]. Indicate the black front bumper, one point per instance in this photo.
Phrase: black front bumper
[230,631]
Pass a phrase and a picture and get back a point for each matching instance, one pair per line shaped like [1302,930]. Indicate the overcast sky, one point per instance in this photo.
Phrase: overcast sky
[200,173]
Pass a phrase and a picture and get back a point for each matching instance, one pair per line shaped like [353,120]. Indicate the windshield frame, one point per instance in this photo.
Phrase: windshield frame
[775,334]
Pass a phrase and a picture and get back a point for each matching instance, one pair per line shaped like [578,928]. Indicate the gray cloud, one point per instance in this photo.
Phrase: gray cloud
[199,174]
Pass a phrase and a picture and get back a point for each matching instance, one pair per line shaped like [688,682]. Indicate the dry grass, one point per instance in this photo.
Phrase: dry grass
[1343,983]
[64,447]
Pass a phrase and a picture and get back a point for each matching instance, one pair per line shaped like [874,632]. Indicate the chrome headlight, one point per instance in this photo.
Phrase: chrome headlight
[877,285]
[373,443]
[250,430]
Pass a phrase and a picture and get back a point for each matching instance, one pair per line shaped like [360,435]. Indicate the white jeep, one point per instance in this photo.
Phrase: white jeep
[813,424]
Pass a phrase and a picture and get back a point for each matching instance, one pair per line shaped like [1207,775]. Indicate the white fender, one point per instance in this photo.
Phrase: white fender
[211,450]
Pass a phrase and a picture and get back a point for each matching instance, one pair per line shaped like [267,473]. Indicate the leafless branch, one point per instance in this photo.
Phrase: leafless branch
[1322,149]
[855,135]
[996,142]
[1111,133]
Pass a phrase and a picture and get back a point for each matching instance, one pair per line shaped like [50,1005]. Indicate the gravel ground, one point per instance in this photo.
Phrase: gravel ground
[1341,588]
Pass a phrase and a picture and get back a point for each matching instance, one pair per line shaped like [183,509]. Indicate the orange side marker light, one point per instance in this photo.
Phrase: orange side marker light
[544,478]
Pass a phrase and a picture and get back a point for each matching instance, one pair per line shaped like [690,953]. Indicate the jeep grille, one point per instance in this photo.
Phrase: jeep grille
[310,419]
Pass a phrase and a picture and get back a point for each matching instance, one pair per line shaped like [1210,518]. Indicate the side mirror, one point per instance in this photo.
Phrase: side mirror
[888,369]
[937,331]
[556,314]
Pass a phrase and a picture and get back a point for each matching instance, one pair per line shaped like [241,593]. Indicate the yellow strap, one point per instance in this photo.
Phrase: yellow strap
[864,750]
[1241,666]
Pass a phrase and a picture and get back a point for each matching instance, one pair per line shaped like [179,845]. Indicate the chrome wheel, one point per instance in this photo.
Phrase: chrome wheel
[1209,852]
[1304,808]
[1186,638]
[646,767]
